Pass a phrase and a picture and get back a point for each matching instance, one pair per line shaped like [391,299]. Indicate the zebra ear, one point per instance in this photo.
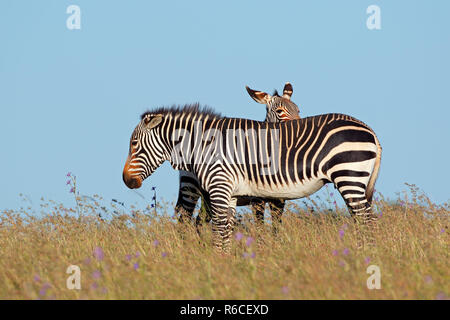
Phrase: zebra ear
[152,121]
[287,91]
[258,96]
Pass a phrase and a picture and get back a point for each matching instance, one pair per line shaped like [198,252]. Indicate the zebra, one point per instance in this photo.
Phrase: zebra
[233,157]
[278,108]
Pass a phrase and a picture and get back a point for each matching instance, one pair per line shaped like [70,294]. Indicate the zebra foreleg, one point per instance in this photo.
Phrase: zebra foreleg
[223,221]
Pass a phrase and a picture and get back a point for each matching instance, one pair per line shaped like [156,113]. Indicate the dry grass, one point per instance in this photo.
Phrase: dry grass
[140,255]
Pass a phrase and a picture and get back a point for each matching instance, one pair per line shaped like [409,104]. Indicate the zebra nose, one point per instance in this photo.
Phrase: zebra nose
[131,182]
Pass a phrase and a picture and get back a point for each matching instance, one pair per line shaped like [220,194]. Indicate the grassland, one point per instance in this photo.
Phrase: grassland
[137,254]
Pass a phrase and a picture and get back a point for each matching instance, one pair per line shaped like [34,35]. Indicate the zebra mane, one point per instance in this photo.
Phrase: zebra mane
[194,109]
[275,94]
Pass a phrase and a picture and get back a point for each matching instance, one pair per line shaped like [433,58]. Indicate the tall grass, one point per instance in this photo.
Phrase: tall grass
[137,254]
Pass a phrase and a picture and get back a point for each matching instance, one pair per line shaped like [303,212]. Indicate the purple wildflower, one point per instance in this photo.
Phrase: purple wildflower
[68,182]
[128,257]
[44,289]
[155,243]
[345,251]
[136,266]
[36,278]
[441,296]
[335,253]
[164,254]
[249,241]
[367,260]
[96,274]
[442,230]
[245,254]
[94,285]
[239,236]
[341,233]
[138,254]
[98,253]
[72,190]
[68,174]
[285,289]
[253,255]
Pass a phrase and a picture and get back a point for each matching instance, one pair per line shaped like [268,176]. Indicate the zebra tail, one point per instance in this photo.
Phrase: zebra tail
[374,176]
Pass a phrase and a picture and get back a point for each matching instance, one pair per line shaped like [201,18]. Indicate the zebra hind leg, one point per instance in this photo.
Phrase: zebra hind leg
[366,221]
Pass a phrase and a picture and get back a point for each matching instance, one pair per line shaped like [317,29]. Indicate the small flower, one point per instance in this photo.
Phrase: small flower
[68,174]
[380,214]
[94,285]
[96,274]
[331,194]
[345,251]
[72,190]
[155,243]
[138,254]
[164,254]
[285,289]
[334,202]
[68,182]
[136,266]
[249,241]
[341,233]
[98,253]
[239,236]
[44,289]
[253,255]
[245,255]
[441,296]
[442,230]
[128,257]
[335,253]
[367,260]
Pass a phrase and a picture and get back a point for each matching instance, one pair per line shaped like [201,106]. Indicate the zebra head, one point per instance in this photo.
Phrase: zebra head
[146,151]
[278,108]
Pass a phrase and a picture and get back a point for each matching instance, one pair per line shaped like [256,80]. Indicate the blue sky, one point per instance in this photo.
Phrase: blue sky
[70,99]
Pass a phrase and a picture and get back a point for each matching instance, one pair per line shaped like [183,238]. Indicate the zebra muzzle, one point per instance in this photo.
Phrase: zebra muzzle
[131,182]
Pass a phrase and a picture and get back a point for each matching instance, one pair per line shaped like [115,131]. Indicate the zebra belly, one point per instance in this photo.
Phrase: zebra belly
[292,191]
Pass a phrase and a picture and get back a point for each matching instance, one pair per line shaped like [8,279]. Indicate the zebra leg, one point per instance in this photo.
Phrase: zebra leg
[276,210]
[187,199]
[223,220]
[361,210]
[204,215]
[258,207]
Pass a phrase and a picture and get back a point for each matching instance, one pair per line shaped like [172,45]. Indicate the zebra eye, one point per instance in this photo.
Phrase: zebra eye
[279,111]
[134,143]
